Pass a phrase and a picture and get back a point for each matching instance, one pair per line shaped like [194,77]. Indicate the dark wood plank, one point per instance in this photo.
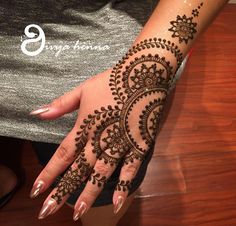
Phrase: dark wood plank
[194,209]
[202,117]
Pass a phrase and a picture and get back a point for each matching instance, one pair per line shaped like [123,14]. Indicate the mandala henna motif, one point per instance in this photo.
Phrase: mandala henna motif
[73,178]
[146,77]
[183,27]
[68,184]
[114,141]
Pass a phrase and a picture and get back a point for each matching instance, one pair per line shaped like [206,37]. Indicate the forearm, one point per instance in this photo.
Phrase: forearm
[167,18]
[141,80]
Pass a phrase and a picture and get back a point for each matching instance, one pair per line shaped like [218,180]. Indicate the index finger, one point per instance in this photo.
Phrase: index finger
[63,157]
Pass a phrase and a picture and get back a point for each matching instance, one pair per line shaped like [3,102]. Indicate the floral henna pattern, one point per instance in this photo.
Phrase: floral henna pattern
[68,184]
[149,132]
[139,88]
[97,179]
[139,84]
[114,140]
[195,12]
[73,178]
[123,185]
[183,27]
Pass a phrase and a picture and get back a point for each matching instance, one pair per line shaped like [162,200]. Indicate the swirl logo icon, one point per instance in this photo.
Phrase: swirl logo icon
[33,38]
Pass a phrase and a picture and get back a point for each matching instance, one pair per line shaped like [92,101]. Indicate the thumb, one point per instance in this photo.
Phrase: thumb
[64,104]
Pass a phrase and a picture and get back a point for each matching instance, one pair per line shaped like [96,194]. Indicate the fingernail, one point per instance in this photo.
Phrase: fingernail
[119,203]
[40,110]
[36,190]
[80,211]
[47,208]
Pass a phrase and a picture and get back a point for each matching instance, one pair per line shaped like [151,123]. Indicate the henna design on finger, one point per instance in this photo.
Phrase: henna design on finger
[67,185]
[183,27]
[73,178]
[97,179]
[123,185]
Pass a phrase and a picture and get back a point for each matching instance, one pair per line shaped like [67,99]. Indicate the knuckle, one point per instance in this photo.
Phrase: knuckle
[91,193]
[102,168]
[63,154]
[46,174]
[130,169]
[58,102]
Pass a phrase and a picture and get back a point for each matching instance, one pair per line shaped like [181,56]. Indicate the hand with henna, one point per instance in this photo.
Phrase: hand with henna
[118,119]
[119,113]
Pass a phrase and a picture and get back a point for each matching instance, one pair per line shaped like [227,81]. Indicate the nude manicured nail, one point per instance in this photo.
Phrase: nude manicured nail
[119,203]
[80,211]
[40,110]
[37,189]
[47,208]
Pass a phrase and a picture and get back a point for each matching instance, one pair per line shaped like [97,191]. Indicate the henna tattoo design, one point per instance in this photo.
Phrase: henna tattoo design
[133,85]
[139,88]
[97,179]
[67,185]
[73,178]
[195,12]
[183,27]
[123,185]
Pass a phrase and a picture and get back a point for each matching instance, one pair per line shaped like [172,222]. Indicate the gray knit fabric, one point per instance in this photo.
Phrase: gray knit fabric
[28,82]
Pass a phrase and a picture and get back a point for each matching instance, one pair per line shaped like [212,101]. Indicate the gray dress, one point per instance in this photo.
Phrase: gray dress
[27,82]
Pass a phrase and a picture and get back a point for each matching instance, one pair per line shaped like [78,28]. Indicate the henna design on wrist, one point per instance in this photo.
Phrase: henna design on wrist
[67,185]
[123,185]
[183,27]
[195,12]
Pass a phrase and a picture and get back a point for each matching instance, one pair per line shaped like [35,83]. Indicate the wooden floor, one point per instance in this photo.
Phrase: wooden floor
[192,176]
